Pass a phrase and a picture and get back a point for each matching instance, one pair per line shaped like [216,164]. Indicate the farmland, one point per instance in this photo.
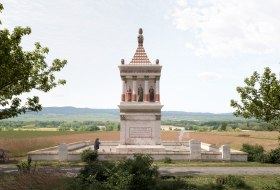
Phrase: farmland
[20,142]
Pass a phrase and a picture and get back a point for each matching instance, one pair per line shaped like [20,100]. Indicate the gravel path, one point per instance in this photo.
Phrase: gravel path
[174,170]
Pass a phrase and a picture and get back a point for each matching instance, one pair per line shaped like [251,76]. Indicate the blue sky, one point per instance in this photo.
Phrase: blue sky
[206,47]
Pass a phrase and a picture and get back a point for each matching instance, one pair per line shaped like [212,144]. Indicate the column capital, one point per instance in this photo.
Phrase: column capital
[123,78]
[157,77]
[146,77]
[134,77]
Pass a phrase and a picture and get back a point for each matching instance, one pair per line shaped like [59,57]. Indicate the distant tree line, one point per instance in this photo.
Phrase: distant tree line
[221,125]
[61,125]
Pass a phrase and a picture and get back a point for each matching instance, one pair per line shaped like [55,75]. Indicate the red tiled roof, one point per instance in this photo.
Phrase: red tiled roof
[140,56]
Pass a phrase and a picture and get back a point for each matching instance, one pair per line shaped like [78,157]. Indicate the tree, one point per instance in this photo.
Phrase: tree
[23,71]
[260,98]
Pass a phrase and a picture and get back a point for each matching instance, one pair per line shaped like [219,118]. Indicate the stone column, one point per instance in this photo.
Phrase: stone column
[195,149]
[62,152]
[225,150]
[123,89]
[146,89]
[157,90]
[134,89]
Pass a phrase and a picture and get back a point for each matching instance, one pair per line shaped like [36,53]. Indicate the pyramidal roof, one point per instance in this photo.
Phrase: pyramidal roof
[140,57]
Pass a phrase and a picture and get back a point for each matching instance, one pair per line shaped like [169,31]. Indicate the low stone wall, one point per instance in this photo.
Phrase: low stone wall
[122,156]
[239,156]
[209,147]
[109,143]
[59,152]
[48,156]
[77,145]
[211,156]
[194,150]
[175,143]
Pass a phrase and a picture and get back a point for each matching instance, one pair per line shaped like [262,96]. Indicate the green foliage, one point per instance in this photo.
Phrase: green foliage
[234,181]
[167,160]
[112,126]
[223,127]
[203,129]
[137,173]
[144,173]
[273,156]
[255,152]
[231,181]
[176,184]
[26,166]
[22,71]
[89,155]
[260,98]
[273,187]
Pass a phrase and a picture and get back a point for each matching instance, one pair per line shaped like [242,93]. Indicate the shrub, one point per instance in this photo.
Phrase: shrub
[137,173]
[234,181]
[176,184]
[143,172]
[167,160]
[221,180]
[89,155]
[255,152]
[26,166]
[238,129]
[273,187]
[203,129]
[231,181]
[273,156]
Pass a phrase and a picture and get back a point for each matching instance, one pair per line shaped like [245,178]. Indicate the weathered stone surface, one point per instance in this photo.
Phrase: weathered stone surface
[195,149]
[225,150]
[62,152]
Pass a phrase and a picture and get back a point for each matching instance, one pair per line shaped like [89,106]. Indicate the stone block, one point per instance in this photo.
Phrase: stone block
[195,149]
[225,150]
[62,152]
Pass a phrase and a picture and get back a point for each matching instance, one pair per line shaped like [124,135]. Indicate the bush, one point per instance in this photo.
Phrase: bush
[176,184]
[231,181]
[26,166]
[167,160]
[273,187]
[255,152]
[273,156]
[238,129]
[143,172]
[89,155]
[137,173]
[234,181]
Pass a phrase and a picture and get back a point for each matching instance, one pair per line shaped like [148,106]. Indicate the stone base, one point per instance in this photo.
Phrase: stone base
[139,148]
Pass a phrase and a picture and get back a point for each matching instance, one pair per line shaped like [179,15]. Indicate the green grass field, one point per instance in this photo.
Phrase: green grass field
[213,164]
[253,182]
[201,182]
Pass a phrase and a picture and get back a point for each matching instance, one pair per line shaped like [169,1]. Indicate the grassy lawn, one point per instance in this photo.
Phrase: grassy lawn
[213,164]
[157,163]
[200,182]
[253,182]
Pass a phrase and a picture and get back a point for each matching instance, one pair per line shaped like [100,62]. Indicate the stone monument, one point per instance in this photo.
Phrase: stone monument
[140,107]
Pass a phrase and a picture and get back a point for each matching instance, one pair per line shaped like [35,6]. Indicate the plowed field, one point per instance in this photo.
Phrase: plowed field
[235,139]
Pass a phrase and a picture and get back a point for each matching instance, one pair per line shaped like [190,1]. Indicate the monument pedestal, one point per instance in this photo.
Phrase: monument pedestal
[140,124]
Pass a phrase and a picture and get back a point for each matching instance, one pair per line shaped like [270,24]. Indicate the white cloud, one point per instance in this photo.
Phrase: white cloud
[181,3]
[209,76]
[226,28]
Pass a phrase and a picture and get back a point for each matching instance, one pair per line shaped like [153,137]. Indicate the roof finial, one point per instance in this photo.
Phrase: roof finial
[140,37]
